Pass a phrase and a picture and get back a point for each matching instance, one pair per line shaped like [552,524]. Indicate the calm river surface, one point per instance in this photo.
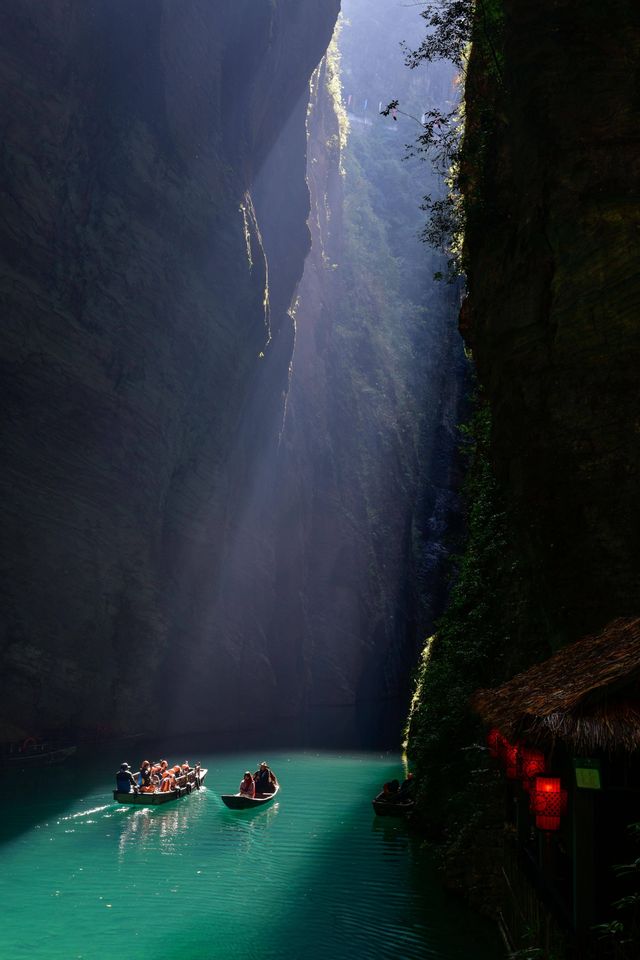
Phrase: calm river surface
[316,875]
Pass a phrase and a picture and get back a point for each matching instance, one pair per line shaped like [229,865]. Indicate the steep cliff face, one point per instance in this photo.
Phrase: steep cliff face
[137,330]
[370,437]
[337,567]
[553,247]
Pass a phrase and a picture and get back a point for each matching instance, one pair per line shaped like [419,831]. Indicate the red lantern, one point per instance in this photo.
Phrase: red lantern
[510,753]
[548,823]
[494,741]
[531,763]
[548,802]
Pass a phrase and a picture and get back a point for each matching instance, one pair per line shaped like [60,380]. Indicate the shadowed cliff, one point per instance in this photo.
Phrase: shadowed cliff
[553,197]
[135,311]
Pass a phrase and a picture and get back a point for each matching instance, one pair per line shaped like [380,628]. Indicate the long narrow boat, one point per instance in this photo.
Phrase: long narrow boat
[238,801]
[41,754]
[154,799]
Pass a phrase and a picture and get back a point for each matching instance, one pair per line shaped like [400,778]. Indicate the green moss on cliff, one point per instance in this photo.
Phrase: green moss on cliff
[467,649]
[486,633]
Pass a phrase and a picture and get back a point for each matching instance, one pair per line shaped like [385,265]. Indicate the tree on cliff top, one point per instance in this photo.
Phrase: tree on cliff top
[451,26]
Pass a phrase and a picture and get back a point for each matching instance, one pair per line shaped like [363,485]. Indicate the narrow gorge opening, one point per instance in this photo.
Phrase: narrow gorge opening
[281,480]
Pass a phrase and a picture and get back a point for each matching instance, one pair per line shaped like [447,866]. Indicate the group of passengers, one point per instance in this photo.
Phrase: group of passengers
[261,783]
[156,777]
[395,792]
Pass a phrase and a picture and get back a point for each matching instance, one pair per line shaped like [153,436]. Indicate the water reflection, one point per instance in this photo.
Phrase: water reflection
[84,813]
[155,826]
[395,836]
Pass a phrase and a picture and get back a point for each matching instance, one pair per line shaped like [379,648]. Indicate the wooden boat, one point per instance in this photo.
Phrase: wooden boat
[392,808]
[35,754]
[154,799]
[238,801]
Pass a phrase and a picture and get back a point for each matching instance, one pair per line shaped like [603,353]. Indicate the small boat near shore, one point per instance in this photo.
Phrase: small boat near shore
[392,808]
[186,785]
[238,801]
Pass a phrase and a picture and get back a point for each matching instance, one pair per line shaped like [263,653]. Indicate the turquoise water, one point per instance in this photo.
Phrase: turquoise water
[315,875]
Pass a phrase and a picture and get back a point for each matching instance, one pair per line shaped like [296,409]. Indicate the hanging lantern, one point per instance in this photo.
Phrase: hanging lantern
[494,740]
[531,763]
[548,802]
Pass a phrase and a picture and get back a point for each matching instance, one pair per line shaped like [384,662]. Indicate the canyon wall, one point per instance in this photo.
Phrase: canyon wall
[338,567]
[219,505]
[141,321]
[553,179]
[550,176]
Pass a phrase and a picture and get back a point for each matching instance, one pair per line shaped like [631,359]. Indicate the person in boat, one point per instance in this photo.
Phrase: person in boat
[265,779]
[407,788]
[125,780]
[168,780]
[144,775]
[390,791]
[247,786]
[145,778]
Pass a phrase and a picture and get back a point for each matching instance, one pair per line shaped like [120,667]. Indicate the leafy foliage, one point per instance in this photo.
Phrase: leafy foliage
[623,933]
[478,641]
[470,639]
[451,26]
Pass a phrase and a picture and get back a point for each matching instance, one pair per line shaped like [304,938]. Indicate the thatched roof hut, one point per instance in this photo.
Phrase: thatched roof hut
[587,695]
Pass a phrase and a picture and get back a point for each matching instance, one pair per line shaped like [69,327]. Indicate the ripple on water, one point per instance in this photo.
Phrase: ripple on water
[311,876]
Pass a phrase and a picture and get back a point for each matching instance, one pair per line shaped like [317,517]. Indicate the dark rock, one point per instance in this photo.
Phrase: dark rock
[132,331]
[554,285]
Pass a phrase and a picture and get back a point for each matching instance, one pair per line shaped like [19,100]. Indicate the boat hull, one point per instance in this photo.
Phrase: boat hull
[384,808]
[236,801]
[156,799]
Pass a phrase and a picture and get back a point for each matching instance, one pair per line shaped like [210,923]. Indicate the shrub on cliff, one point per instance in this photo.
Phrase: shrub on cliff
[473,645]
[453,26]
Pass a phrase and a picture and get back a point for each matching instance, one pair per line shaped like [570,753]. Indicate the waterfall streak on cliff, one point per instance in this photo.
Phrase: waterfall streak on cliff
[253,227]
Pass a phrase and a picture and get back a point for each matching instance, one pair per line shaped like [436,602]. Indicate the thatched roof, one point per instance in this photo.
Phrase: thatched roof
[587,694]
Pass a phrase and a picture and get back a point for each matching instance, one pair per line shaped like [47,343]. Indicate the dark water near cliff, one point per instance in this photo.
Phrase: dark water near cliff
[316,875]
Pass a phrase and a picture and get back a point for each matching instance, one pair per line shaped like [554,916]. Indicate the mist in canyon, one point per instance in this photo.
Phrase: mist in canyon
[230,384]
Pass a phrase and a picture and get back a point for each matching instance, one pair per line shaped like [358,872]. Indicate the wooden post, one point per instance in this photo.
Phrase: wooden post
[584,873]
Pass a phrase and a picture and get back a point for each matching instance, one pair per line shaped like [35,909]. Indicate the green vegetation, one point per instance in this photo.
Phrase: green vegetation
[334,85]
[388,352]
[381,327]
[458,149]
[468,648]
[477,643]
[623,934]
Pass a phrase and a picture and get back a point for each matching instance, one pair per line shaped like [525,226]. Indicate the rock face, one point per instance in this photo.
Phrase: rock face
[141,322]
[204,521]
[335,570]
[553,312]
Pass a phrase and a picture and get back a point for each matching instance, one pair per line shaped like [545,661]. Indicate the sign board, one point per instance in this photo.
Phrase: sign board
[587,773]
